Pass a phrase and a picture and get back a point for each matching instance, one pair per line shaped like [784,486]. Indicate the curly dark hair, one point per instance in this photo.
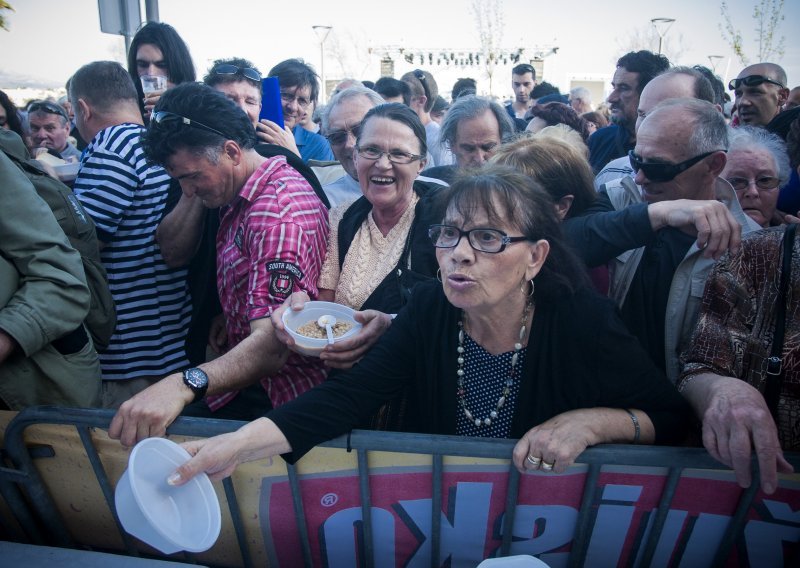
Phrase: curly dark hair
[559,113]
[215,117]
[646,63]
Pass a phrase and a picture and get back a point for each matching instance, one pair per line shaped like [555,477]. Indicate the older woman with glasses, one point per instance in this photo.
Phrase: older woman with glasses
[757,167]
[378,247]
[510,344]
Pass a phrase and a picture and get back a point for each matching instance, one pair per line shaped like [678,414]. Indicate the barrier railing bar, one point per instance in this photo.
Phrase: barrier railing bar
[105,487]
[236,519]
[668,493]
[40,499]
[55,532]
[9,481]
[580,540]
[366,508]
[736,524]
[437,467]
[512,498]
[299,514]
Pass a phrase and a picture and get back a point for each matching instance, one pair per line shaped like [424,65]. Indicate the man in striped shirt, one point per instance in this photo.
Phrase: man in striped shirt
[271,242]
[125,195]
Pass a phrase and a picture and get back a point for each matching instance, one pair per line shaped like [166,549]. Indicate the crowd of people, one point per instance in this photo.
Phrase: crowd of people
[542,270]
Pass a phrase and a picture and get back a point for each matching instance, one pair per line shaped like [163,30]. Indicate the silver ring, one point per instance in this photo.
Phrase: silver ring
[533,461]
[547,466]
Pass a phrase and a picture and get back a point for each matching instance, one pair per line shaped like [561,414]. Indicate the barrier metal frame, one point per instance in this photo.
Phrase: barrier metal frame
[53,531]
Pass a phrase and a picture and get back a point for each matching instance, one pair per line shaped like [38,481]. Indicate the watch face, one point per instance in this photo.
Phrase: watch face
[196,378]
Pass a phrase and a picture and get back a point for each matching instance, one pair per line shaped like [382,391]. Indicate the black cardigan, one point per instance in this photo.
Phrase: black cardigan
[580,355]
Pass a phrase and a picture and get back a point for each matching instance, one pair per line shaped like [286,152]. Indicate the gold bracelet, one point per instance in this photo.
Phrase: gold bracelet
[635,426]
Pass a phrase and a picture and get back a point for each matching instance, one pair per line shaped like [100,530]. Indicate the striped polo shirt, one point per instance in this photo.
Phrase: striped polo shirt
[126,196]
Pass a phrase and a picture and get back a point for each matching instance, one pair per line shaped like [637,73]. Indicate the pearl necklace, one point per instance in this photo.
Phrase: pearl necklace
[462,391]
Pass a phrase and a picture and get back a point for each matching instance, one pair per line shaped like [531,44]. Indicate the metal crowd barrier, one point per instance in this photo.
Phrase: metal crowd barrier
[28,497]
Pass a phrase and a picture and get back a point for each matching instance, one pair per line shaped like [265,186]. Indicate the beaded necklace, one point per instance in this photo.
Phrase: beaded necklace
[462,391]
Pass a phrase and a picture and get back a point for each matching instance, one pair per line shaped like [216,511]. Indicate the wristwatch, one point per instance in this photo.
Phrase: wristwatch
[197,380]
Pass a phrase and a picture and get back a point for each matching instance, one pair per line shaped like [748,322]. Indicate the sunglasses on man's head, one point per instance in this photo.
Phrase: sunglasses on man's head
[660,171]
[166,117]
[48,107]
[229,69]
[752,81]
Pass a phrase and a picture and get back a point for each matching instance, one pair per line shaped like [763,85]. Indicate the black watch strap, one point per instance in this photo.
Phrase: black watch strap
[197,380]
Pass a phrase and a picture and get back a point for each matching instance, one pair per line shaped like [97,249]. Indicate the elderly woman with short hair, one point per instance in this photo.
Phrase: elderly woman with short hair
[511,343]
[757,167]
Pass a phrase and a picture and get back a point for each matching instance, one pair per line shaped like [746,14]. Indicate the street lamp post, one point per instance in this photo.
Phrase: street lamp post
[322,34]
[662,26]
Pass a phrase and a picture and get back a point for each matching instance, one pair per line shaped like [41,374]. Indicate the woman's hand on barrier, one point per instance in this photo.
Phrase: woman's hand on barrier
[346,353]
[294,302]
[555,444]
[219,456]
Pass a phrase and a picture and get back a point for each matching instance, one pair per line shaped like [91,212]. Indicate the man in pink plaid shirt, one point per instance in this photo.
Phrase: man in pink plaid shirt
[271,242]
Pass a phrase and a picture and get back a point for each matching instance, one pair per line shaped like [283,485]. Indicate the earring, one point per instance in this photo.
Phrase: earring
[439,275]
[533,285]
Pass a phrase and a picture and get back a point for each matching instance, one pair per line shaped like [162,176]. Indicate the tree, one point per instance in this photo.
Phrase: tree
[4,6]
[646,37]
[489,20]
[768,15]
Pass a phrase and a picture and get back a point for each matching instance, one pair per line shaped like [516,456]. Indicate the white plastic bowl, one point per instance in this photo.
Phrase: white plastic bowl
[68,171]
[311,312]
[167,518]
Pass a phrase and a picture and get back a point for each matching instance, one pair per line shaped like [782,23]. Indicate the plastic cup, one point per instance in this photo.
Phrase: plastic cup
[167,518]
[153,83]
[311,312]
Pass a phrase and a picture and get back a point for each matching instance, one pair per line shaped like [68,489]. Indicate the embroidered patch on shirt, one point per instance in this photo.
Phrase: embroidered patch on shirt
[237,238]
[282,276]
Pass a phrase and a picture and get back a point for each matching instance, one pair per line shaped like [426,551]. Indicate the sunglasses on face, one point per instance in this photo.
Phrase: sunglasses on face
[752,81]
[48,107]
[339,137]
[659,171]
[166,117]
[246,72]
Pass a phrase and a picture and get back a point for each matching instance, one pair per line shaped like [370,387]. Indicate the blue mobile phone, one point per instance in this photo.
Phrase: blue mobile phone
[271,107]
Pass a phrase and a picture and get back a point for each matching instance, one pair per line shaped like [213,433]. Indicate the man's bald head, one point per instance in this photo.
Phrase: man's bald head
[760,92]
[676,83]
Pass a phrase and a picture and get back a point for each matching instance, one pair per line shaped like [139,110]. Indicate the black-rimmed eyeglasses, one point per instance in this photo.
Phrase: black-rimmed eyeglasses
[659,171]
[230,69]
[165,117]
[480,239]
[48,107]
[752,81]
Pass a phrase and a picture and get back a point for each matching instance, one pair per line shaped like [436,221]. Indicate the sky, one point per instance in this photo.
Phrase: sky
[49,39]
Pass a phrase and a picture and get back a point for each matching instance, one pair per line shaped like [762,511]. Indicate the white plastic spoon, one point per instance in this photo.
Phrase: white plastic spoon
[327,322]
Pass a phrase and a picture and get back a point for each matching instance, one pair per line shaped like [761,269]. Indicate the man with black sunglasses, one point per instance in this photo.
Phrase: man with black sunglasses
[760,92]
[679,155]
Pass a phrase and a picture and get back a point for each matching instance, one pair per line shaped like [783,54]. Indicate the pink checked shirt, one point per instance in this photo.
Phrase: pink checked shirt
[271,242]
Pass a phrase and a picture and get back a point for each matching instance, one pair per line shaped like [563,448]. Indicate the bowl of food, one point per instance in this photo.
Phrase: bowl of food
[310,337]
